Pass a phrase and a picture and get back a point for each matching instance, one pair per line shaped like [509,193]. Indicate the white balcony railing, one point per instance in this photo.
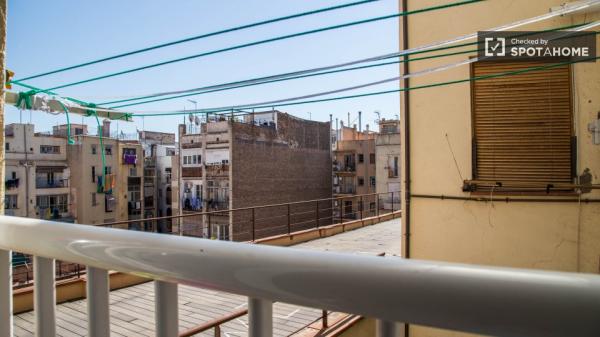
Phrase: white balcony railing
[495,301]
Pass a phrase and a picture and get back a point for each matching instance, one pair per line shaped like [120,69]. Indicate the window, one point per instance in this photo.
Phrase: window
[199,159]
[14,175]
[94,200]
[372,158]
[128,151]
[361,158]
[361,181]
[185,160]
[7,146]
[94,149]
[109,202]
[372,179]
[170,152]
[395,166]
[49,149]
[133,171]
[93,174]
[522,125]
[107,170]
[195,159]
[52,203]
[108,150]
[10,202]
[78,131]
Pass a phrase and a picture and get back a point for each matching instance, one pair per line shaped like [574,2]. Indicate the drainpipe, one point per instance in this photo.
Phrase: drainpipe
[406,105]
[405,95]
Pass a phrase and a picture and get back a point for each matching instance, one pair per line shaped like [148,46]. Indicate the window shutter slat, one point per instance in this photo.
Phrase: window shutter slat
[522,124]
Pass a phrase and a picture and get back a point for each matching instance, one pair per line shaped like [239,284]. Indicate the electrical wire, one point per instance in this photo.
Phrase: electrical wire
[438,84]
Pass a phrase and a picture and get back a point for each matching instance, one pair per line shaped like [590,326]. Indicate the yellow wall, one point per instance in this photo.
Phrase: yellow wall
[542,235]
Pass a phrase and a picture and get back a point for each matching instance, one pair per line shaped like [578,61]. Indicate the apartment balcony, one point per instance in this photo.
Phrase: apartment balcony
[344,190]
[191,145]
[344,170]
[191,172]
[11,184]
[467,298]
[45,183]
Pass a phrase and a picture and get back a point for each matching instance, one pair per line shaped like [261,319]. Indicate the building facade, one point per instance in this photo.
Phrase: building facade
[109,189]
[49,178]
[495,171]
[387,155]
[158,149]
[257,159]
[354,173]
[37,174]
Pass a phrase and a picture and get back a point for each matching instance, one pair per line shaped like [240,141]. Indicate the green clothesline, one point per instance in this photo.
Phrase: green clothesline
[279,38]
[241,84]
[439,84]
[198,37]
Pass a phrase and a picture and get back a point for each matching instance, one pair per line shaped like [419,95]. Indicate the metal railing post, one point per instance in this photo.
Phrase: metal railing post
[44,303]
[289,219]
[6,295]
[324,317]
[167,315]
[260,317]
[97,302]
[209,229]
[362,207]
[217,331]
[392,202]
[317,215]
[341,200]
[386,329]
[253,224]
[377,205]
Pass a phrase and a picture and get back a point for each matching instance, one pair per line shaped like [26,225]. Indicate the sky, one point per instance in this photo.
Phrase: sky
[46,35]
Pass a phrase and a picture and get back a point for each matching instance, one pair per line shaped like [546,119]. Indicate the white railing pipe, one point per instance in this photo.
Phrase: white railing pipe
[486,300]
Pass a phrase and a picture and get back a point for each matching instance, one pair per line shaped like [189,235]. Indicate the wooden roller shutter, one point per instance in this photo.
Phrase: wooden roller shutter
[522,124]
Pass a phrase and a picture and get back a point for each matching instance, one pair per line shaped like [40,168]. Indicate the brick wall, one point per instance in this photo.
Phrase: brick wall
[277,165]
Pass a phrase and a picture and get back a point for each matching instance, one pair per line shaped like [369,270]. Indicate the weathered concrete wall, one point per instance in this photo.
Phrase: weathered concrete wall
[272,166]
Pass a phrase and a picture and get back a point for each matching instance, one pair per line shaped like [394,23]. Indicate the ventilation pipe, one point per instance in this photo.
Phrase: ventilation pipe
[360,121]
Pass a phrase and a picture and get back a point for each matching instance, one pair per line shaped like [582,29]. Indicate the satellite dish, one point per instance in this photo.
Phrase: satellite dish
[197,120]
[191,118]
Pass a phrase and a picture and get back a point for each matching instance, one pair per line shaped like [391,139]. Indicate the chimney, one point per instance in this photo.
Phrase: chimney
[360,121]
[367,129]
[106,128]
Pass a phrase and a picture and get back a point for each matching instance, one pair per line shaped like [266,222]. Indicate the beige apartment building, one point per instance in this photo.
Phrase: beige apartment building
[48,178]
[37,174]
[354,173]
[491,169]
[115,195]
[387,155]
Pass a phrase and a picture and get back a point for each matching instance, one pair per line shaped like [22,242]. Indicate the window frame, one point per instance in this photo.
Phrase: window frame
[471,185]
